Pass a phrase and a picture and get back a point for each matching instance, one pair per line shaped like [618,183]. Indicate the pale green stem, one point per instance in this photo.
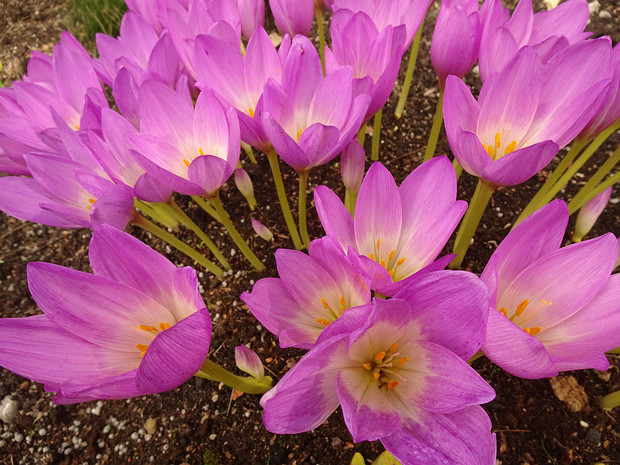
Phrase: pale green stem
[611,401]
[436,128]
[475,357]
[470,222]
[535,203]
[575,167]
[376,135]
[164,235]
[610,181]
[206,207]
[318,11]
[361,134]
[458,169]
[614,351]
[234,234]
[272,156]
[303,222]
[247,148]
[189,223]
[350,199]
[158,211]
[413,56]
[249,385]
[609,164]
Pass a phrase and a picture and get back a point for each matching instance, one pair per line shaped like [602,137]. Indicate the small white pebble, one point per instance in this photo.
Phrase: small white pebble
[42,431]
[212,437]
[583,423]
[233,252]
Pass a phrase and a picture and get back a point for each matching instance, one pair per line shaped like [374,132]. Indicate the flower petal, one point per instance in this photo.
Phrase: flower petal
[335,218]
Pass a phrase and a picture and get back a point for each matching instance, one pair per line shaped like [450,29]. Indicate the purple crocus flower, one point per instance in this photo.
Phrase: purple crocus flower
[374,55]
[239,80]
[396,231]
[526,113]
[293,16]
[312,292]
[138,324]
[456,38]
[395,375]
[547,31]
[552,309]
[389,13]
[309,118]
[191,150]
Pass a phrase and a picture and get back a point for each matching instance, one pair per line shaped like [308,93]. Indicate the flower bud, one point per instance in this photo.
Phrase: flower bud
[352,165]
[589,213]
[248,362]
[244,184]
[262,230]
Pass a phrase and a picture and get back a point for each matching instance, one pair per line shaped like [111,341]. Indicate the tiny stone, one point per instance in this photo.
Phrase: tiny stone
[604,14]
[8,409]
[18,437]
[583,423]
[150,426]
[593,436]
[212,437]
[42,432]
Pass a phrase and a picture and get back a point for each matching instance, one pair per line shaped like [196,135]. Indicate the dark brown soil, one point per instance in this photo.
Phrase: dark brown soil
[199,422]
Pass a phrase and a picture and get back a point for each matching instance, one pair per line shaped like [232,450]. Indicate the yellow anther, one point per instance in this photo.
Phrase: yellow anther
[400,262]
[164,326]
[149,329]
[403,360]
[299,132]
[89,208]
[497,140]
[383,262]
[186,162]
[200,151]
[391,272]
[371,256]
[325,304]
[251,112]
[378,243]
[368,366]
[391,256]
[510,147]
[142,348]
[92,200]
[490,150]
[503,311]
[532,331]
[521,307]
[393,347]
[392,384]
[323,321]
[376,374]
[343,303]
[379,356]
[77,128]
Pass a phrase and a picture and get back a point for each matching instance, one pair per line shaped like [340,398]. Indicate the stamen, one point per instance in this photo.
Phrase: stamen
[186,162]
[367,366]
[393,347]
[521,307]
[532,331]
[142,348]
[92,200]
[510,147]
[391,272]
[503,311]
[343,303]
[400,262]
[379,356]
[77,128]
[376,374]
[392,384]
[403,360]
[491,151]
[299,132]
[497,140]
[149,329]
[371,256]
[251,112]
[383,262]
[164,326]
[325,304]
[391,256]
[378,243]
[323,321]
[200,151]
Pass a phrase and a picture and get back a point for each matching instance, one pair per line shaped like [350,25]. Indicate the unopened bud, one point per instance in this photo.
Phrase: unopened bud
[352,165]
[244,184]
[262,230]
[248,362]
[589,213]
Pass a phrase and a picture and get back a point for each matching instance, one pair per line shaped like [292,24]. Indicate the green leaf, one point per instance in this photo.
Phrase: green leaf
[357,459]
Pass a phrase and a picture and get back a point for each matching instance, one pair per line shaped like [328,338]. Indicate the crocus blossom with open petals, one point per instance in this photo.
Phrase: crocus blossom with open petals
[396,379]
[311,292]
[191,150]
[552,309]
[396,231]
[136,326]
[526,113]
[307,117]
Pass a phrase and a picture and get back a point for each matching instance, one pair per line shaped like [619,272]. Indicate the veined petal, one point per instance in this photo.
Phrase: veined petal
[335,218]
[460,109]
[515,351]
[122,386]
[261,63]
[469,152]
[538,235]
[457,438]
[319,143]
[332,100]
[496,51]
[176,354]
[560,283]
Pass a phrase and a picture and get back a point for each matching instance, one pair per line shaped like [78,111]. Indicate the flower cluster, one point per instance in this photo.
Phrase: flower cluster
[388,329]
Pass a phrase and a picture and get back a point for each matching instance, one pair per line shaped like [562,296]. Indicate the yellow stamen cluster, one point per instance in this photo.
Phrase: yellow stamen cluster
[493,150]
[390,264]
[153,330]
[91,201]
[519,311]
[382,365]
[334,314]
[188,162]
